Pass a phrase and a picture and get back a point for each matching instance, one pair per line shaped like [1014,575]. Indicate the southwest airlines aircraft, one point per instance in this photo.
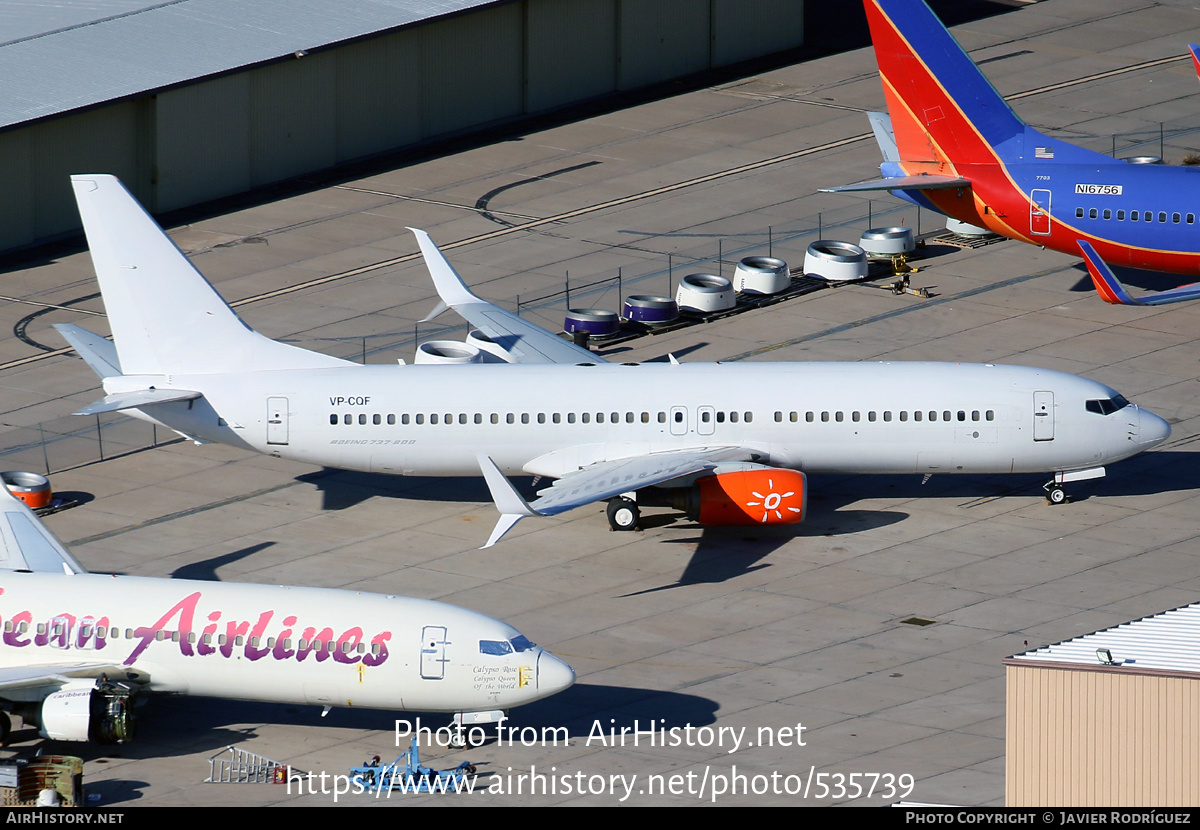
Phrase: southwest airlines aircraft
[79,649]
[953,145]
[727,444]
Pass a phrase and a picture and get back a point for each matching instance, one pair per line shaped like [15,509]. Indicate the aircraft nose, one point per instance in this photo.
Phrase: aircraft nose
[553,675]
[1152,430]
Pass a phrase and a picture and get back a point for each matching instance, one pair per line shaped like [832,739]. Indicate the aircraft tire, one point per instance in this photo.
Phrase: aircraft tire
[1056,495]
[623,514]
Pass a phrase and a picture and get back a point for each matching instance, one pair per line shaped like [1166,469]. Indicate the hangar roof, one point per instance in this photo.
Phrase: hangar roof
[1161,642]
[56,57]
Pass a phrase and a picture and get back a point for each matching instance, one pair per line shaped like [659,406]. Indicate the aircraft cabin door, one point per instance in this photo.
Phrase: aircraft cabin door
[433,652]
[1043,416]
[679,420]
[1039,212]
[277,420]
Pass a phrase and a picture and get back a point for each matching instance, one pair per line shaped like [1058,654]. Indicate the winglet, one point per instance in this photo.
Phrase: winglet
[521,341]
[450,286]
[1111,291]
[98,353]
[509,502]
[881,125]
[26,544]
[1107,285]
[1195,50]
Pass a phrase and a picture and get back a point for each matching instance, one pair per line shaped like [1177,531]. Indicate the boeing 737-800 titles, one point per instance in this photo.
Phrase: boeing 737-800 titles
[953,145]
[79,649]
[728,444]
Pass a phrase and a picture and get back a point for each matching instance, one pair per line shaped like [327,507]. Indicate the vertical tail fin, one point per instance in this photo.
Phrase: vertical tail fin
[165,317]
[943,109]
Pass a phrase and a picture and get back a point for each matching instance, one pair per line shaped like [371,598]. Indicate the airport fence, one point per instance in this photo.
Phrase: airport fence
[73,441]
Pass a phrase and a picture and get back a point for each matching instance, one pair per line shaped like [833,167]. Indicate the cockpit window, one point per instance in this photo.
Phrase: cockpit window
[521,643]
[1107,406]
[495,647]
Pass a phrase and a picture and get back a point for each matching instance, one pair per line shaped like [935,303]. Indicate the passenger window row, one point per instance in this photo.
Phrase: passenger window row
[903,415]
[1135,216]
[540,417]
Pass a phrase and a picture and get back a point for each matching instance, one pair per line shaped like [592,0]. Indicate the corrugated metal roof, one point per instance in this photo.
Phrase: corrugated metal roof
[62,56]
[1169,641]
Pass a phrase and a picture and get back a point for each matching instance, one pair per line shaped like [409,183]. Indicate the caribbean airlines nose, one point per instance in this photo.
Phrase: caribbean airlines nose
[553,675]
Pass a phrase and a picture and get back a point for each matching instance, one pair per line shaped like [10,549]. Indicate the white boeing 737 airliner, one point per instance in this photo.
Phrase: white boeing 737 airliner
[78,649]
[728,444]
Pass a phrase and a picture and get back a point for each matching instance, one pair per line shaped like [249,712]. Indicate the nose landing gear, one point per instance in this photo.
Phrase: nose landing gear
[1055,494]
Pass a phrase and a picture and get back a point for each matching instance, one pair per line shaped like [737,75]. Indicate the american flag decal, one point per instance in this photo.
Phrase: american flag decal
[1043,153]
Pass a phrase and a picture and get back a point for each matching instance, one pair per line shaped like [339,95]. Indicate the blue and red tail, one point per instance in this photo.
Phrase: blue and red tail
[943,109]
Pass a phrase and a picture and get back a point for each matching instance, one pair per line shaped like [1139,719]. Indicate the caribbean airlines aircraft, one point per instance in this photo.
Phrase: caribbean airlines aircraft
[728,444]
[953,145]
[79,649]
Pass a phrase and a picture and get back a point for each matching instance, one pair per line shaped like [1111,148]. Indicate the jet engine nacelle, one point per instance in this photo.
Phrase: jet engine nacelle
[101,712]
[749,497]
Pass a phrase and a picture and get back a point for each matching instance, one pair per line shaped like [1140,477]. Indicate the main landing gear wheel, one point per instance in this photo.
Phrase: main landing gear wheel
[623,514]
[1055,494]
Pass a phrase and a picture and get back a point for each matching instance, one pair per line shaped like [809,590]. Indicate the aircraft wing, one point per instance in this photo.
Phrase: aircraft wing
[27,677]
[921,182]
[597,482]
[1112,292]
[26,545]
[522,340]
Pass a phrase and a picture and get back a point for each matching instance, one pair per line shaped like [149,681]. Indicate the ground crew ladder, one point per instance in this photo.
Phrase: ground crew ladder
[237,766]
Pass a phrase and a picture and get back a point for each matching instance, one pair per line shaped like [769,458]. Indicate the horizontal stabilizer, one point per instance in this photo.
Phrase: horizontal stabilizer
[522,340]
[922,182]
[1195,50]
[98,353]
[1111,291]
[137,399]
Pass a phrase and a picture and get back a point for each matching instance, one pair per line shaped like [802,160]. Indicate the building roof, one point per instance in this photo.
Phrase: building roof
[57,57]
[1169,641]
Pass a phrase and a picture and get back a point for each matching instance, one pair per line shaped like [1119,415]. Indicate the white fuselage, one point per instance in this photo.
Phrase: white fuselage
[271,643]
[554,419]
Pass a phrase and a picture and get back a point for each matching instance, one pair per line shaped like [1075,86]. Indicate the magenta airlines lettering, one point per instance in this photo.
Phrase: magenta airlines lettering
[181,618]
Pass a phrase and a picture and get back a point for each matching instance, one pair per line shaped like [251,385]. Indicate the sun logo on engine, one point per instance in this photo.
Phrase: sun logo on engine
[772,502]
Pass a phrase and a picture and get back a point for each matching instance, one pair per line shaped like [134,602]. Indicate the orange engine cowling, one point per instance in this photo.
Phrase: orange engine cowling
[751,497]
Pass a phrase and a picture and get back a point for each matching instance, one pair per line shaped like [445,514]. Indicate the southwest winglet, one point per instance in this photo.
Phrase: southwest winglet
[1111,291]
